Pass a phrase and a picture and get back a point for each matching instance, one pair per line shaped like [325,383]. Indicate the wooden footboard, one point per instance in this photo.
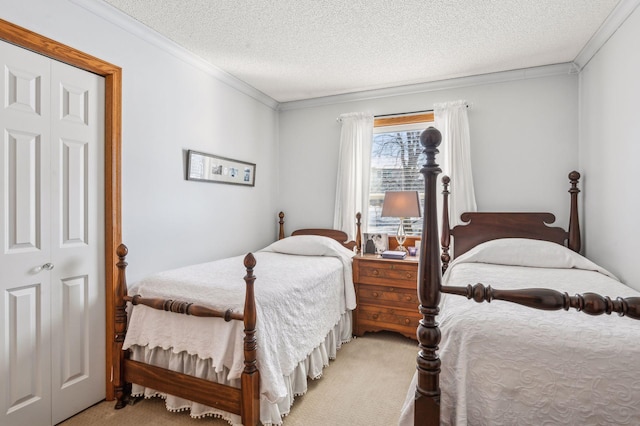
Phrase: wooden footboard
[244,401]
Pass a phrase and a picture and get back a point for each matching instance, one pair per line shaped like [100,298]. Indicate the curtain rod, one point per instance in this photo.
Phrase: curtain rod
[403,113]
[398,114]
[409,113]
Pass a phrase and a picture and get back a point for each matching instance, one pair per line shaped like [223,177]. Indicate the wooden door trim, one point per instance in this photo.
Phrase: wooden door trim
[24,38]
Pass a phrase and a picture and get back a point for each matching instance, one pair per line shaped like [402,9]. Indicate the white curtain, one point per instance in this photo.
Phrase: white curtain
[452,121]
[354,163]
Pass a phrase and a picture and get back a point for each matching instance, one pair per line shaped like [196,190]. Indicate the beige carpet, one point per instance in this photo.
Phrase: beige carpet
[365,385]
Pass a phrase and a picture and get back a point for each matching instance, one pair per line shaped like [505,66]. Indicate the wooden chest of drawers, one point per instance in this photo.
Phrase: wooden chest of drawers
[386,295]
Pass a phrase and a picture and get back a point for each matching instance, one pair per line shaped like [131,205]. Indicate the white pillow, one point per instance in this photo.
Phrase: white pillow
[528,252]
[310,245]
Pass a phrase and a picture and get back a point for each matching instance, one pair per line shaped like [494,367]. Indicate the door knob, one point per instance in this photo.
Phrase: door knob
[47,266]
[37,269]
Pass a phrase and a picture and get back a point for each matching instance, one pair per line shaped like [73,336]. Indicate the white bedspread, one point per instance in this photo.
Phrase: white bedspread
[300,300]
[504,364]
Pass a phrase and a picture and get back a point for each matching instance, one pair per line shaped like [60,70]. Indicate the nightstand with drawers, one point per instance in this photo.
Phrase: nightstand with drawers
[386,292]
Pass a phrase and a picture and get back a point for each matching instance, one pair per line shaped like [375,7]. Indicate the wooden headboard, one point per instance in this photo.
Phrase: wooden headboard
[480,227]
[337,235]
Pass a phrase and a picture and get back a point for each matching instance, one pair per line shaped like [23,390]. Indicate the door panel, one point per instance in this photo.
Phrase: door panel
[24,87]
[24,326]
[23,191]
[77,216]
[25,361]
[74,340]
[74,192]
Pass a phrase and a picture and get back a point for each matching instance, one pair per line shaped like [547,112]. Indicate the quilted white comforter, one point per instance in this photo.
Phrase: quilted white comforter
[504,364]
[300,299]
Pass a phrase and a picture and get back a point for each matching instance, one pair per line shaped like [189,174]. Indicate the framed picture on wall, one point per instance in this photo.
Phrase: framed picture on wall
[213,168]
[375,243]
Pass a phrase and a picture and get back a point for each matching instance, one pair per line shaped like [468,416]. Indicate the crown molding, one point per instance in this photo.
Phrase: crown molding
[453,83]
[136,28]
[616,18]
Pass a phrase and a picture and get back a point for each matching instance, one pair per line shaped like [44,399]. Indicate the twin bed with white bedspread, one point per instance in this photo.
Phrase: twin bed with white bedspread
[506,364]
[304,295]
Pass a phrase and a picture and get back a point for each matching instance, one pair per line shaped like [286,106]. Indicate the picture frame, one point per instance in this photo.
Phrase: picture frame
[375,243]
[205,167]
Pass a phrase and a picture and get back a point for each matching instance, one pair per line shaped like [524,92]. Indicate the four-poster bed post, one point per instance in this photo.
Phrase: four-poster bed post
[427,397]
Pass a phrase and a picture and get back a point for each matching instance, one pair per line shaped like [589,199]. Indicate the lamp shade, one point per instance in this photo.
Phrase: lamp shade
[401,204]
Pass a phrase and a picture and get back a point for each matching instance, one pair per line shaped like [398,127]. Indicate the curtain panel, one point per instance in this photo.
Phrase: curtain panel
[354,164]
[452,121]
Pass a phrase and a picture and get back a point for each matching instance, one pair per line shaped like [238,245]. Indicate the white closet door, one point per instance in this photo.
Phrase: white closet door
[77,252]
[51,230]
[25,211]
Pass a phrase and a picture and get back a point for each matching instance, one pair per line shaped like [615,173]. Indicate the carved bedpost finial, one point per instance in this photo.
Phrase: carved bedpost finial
[430,140]
[122,251]
[445,237]
[574,177]
[249,317]
[574,242]
[121,284]
[281,222]
[250,379]
[358,232]
[120,325]
[427,397]
[249,262]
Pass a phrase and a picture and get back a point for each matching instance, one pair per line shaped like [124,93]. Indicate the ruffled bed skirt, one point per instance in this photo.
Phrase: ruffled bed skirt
[270,413]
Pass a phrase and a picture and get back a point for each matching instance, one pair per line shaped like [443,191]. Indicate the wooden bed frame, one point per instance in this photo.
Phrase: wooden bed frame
[481,227]
[244,401]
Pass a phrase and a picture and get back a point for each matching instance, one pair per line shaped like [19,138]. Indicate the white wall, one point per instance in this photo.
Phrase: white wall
[170,106]
[610,152]
[524,142]
[523,138]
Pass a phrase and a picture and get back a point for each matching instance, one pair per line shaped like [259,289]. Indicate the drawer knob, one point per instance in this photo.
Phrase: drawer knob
[375,316]
[407,321]
[408,298]
[409,275]
[374,294]
[375,272]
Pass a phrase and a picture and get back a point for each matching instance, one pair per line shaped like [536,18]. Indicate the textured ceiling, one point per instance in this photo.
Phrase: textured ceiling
[301,49]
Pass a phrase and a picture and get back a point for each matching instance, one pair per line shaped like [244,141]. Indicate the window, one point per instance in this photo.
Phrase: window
[396,160]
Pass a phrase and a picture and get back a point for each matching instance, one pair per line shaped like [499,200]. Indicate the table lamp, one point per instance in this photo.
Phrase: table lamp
[401,204]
